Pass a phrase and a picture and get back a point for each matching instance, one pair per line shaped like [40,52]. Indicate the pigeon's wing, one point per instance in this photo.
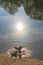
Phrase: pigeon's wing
[15,47]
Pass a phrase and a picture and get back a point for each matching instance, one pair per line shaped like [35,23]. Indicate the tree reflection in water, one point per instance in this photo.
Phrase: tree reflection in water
[33,8]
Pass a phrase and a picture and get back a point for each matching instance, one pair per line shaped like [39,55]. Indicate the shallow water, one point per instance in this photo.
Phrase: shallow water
[30,13]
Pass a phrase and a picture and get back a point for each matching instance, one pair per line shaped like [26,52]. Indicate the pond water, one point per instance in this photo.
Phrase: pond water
[32,8]
[30,14]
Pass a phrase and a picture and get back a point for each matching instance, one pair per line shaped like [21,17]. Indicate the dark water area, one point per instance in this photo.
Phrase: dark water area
[32,8]
[30,14]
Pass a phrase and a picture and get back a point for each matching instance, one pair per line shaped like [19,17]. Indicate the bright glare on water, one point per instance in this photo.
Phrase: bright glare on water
[21,23]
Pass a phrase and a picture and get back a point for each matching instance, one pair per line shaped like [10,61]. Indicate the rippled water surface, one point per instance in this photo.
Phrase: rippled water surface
[30,14]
